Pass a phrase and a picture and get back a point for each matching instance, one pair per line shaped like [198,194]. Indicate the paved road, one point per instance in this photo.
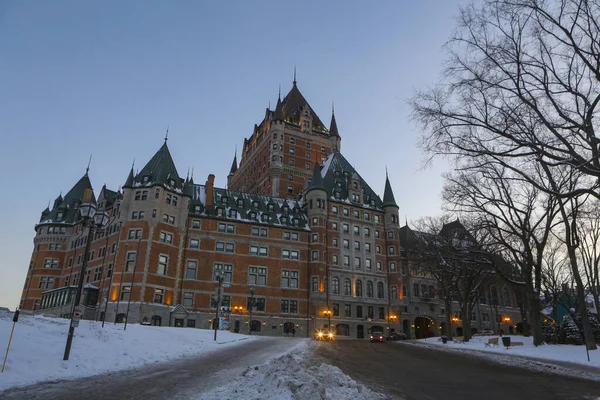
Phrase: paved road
[182,379]
[404,371]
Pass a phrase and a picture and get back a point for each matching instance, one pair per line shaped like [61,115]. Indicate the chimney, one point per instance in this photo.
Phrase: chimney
[210,185]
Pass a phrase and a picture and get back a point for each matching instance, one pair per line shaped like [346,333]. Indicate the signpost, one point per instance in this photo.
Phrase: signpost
[15,320]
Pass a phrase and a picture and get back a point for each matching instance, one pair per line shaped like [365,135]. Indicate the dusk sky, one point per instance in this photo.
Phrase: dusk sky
[107,77]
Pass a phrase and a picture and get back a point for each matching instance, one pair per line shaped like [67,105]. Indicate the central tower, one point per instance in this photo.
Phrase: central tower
[278,158]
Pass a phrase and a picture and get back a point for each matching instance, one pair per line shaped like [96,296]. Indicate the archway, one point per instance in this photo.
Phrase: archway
[156,320]
[342,330]
[424,327]
[236,326]
[406,328]
[255,325]
[360,332]
[287,327]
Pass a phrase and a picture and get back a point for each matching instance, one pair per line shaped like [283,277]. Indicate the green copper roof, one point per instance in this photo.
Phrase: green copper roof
[388,194]
[160,170]
[316,182]
[67,210]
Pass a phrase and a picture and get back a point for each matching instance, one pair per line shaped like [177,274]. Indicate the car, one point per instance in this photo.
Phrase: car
[377,337]
[396,336]
[322,335]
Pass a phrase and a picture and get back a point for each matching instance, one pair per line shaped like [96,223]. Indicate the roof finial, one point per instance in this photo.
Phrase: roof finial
[133,163]
[88,166]
[386,172]
[187,178]
[167,135]
[192,172]
[279,94]
[294,76]
[332,108]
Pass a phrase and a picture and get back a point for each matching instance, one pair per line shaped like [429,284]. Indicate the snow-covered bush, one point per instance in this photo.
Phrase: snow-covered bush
[550,332]
[569,331]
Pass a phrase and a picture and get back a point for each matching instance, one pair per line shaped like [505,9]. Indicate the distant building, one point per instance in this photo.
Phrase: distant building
[297,225]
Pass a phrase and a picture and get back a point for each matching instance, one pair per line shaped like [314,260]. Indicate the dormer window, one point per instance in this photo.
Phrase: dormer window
[270,207]
[59,216]
[284,220]
[171,182]
[339,185]
[285,209]
[372,203]
[224,200]
[255,204]
[355,185]
[146,179]
[265,218]
[252,215]
[197,209]
[240,202]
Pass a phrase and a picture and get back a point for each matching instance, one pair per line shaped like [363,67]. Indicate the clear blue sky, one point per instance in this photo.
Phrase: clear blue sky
[107,77]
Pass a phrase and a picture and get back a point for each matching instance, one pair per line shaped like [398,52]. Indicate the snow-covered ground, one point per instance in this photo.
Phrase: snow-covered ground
[36,355]
[557,353]
[292,376]
[38,343]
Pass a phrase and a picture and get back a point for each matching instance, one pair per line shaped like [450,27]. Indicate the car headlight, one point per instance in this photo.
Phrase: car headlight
[320,334]
[330,335]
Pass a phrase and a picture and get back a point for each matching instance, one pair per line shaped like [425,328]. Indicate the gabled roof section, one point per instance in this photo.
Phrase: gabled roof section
[130,177]
[456,230]
[66,211]
[250,208]
[291,109]
[160,170]
[388,194]
[234,165]
[336,174]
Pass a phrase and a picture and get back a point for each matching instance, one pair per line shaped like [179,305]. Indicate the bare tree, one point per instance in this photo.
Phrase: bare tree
[588,227]
[516,219]
[522,88]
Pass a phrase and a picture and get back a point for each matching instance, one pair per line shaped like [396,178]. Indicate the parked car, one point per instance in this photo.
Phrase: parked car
[327,336]
[377,337]
[485,332]
[396,336]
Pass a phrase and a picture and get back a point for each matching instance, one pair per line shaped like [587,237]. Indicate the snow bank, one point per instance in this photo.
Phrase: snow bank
[292,377]
[550,352]
[36,352]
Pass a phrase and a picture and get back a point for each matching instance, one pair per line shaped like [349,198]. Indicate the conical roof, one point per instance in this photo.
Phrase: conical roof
[160,170]
[234,165]
[333,129]
[66,204]
[278,116]
[130,177]
[316,182]
[388,194]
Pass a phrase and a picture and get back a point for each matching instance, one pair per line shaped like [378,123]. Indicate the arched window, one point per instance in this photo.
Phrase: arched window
[358,288]
[506,297]
[494,296]
[335,285]
[369,289]
[347,287]
[380,290]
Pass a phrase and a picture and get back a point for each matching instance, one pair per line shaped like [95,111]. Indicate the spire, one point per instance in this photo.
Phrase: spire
[88,166]
[233,164]
[388,195]
[129,181]
[278,116]
[333,129]
[191,182]
[316,181]
[279,94]
[294,76]
[167,135]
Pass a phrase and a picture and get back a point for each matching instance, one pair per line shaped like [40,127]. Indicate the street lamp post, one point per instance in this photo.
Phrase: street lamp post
[250,307]
[91,218]
[219,276]
[328,313]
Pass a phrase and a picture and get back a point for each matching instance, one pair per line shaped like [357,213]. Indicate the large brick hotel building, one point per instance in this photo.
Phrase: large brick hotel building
[297,225]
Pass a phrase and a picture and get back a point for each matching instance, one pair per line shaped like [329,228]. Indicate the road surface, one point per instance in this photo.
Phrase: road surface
[182,379]
[404,371]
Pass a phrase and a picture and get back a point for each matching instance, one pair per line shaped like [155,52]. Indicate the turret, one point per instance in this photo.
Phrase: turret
[390,206]
[316,195]
[334,135]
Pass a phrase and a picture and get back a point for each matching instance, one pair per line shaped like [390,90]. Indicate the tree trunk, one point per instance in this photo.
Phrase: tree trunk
[448,318]
[466,324]
[535,319]
[585,322]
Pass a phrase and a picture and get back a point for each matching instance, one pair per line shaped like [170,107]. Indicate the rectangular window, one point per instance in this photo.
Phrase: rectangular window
[346,228]
[357,245]
[356,262]
[390,235]
[378,249]
[46,282]
[336,310]
[391,250]
[98,273]
[159,294]
[346,244]
[294,255]
[50,263]
[347,310]
[226,271]
[195,224]
[259,304]
[314,284]
[315,255]
[334,259]
[381,313]
[194,244]
[334,210]
[356,230]
[130,262]
[379,266]
[171,220]
[346,212]
[368,263]
[191,269]
[188,299]
[346,261]
[225,301]
[163,262]
[257,276]
[263,251]
[368,247]
[109,270]
[285,253]
[220,246]
[289,279]
[359,312]
[285,306]
[392,266]
[125,293]
[334,226]
[370,312]
[165,237]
